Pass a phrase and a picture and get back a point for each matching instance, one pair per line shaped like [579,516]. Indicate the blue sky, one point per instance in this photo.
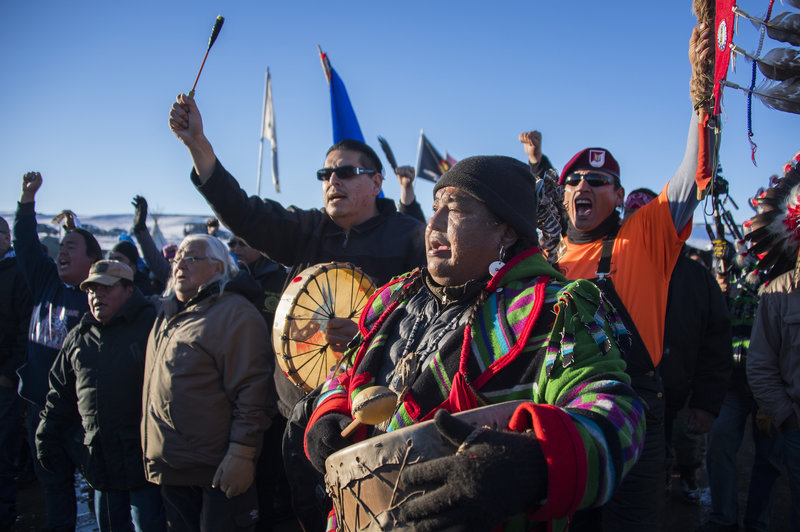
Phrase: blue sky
[87,88]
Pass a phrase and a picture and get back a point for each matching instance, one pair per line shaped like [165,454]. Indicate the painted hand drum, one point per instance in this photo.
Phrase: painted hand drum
[362,479]
[318,293]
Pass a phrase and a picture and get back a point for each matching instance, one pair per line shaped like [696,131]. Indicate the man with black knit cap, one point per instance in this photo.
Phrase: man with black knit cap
[632,262]
[489,321]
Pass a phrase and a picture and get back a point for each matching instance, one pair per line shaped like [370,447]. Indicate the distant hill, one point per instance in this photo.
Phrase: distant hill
[108,227]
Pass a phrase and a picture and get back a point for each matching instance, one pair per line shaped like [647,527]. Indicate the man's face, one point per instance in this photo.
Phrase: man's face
[72,262]
[5,239]
[243,252]
[588,206]
[462,238]
[190,275]
[350,201]
[105,301]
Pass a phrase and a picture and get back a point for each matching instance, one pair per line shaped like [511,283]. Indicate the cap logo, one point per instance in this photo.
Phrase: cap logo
[101,267]
[597,158]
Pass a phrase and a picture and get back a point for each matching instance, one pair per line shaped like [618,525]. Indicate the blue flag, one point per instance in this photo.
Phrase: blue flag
[345,123]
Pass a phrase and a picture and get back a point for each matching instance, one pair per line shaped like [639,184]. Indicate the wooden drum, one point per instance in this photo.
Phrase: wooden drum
[362,479]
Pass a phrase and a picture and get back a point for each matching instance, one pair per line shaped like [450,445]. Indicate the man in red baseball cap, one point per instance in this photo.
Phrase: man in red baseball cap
[631,261]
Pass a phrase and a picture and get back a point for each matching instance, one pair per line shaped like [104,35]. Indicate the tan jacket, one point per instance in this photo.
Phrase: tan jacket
[208,382]
[773,361]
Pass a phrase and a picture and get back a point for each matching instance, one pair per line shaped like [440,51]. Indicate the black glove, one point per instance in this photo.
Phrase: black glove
[52,462]
[140,216]
[492,477]
[325,438]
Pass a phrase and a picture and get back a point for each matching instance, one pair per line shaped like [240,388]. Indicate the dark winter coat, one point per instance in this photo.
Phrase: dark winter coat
[57,307]
[384,246]
[98,376]
[697,339]
[15,315]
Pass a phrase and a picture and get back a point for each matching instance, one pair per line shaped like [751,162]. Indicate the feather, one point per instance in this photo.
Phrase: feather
[794,3]
[782,96]
[67,219]
[776,230]
[550,213]
[785,27]
[388,152]
[780,64]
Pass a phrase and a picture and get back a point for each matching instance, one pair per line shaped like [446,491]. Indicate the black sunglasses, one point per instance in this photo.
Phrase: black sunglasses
[594,179]
[343,172]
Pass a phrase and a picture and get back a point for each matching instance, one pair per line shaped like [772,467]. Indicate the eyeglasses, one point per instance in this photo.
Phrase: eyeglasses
[188,260]
[343,172]
[595,179]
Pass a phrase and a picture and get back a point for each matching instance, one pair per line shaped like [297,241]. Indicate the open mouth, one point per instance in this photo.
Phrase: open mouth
[437,245]
[583,207]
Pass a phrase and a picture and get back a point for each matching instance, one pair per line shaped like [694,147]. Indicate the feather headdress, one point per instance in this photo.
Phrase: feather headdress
[775,231]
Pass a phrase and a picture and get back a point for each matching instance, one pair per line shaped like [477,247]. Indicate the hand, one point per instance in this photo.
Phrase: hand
[237,470]
[405,175]
[701,47]
[31,182]
[185,120]
[187,124]
[51,458]
[532,143]
[325,438]
[764,424]
[339,333]
[140,214]
[494,476]
[700,421]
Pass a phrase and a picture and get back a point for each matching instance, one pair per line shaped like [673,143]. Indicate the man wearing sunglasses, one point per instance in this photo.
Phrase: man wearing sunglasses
[631,262]
[354,226]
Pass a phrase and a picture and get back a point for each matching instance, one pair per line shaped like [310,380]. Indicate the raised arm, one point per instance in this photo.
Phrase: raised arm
[682,188]
[408,199]
[187,124]
[35,264]
[155,260]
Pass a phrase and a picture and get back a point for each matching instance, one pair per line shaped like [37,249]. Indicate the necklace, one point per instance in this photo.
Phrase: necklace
[410,363]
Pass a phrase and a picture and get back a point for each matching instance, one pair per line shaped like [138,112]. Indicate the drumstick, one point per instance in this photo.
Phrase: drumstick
[370,407]
[214,32]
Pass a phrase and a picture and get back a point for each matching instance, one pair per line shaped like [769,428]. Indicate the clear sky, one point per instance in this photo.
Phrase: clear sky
[86,89]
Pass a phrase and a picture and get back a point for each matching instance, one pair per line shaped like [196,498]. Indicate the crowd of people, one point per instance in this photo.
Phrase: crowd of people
[605,362]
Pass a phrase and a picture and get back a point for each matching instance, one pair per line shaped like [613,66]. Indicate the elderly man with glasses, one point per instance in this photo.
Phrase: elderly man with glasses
[355,225]
[207,395]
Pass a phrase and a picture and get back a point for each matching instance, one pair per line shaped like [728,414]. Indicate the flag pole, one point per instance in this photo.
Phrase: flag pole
[261,142]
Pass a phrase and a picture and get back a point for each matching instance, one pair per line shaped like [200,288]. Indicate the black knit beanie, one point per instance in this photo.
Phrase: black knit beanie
[505,184]
[127,249]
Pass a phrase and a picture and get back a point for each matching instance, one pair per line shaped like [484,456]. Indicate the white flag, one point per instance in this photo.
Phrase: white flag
[268,131]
